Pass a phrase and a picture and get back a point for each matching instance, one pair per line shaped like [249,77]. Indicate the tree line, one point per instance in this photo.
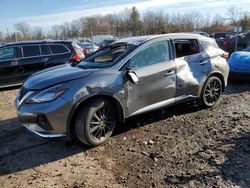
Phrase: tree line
[131,22]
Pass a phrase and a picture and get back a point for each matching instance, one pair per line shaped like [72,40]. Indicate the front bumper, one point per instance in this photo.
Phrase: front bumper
[35,129]
[47,120]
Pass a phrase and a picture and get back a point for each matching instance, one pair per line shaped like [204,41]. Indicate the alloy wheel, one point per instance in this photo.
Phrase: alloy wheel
[102,123]
[212,92]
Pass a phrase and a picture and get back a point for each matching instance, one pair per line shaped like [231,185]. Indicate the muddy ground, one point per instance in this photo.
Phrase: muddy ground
[181,146]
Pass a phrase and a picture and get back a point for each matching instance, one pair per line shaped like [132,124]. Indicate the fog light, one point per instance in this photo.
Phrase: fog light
[43,122]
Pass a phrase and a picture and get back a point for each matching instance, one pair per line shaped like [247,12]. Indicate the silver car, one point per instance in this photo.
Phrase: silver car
[129,77]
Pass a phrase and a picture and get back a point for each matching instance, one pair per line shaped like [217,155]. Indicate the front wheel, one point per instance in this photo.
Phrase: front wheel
[95,122]
[211,92]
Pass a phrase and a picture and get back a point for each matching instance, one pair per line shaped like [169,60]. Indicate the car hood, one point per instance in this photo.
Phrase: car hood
[55,75]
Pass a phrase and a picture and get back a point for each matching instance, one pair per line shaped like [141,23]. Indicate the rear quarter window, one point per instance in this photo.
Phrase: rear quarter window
[209,43]
[58,49]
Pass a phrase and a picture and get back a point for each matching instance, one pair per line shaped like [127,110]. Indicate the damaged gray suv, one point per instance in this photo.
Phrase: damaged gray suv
[129,77]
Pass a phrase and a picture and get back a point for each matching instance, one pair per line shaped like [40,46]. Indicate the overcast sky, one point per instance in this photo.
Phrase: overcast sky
[45,13]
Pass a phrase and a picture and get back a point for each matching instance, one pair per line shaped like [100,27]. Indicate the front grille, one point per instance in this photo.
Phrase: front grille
[23,92]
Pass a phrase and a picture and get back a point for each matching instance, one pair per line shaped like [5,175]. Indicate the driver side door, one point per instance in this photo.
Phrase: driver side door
[9,65]
[156,78]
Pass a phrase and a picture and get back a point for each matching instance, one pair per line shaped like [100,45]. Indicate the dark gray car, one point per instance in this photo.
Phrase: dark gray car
[129,77]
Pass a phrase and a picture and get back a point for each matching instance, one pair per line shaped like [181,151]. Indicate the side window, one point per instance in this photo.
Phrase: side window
[58,49]
[45,50]
[153,54]
[31,50]
[8,53]
[106,56]
[186,47]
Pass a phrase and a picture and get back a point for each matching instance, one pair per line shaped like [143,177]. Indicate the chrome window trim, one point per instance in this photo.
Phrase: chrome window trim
[42,55]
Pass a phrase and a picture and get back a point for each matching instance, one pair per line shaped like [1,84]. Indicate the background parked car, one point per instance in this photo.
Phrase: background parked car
[19,60]
[106,43]
[239,64]
[98,39]
[228,44]
[221,35]
[88,48]
[85,40]
[247,49]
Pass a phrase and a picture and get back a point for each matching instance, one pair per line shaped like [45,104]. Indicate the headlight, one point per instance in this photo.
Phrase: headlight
[47,95]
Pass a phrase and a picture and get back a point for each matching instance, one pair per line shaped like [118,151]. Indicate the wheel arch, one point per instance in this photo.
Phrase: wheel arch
[70,130]
[200,100]
[220,76]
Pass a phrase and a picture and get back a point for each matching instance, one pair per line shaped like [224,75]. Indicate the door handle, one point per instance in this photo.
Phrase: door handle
[169,73]
[14,62]
[204,62]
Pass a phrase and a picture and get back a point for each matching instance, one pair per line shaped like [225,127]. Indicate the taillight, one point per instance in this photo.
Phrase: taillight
[225,43]
[76,57]
[225,55]
[84,51]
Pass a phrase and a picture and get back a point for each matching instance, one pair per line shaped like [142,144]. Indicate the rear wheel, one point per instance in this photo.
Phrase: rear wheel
[211,92]
[95,122]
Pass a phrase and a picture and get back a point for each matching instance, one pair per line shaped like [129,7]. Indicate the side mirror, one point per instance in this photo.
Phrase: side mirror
[132,76]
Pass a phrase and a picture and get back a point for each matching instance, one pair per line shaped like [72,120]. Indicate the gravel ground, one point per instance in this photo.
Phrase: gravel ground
[180,146]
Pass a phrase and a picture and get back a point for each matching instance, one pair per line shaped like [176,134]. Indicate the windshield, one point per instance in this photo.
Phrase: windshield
[107,56]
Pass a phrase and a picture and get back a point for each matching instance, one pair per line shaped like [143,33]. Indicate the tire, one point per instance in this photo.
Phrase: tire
[95,122]
[211,92]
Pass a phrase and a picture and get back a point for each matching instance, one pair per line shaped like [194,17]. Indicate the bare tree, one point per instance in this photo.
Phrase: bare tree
[130,22]
[1,36]
[37,33]
[75,28]
[134,22]
[155,22]
[56,31]
[245,22]
[24,28]
[235,14]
